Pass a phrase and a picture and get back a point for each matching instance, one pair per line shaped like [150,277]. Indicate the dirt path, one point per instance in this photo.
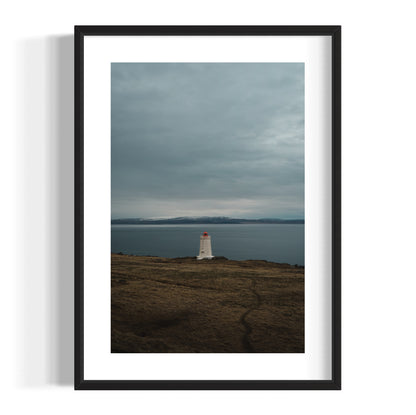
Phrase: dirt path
[245,339]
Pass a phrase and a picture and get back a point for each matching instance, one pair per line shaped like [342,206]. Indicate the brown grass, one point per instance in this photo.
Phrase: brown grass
[182,305]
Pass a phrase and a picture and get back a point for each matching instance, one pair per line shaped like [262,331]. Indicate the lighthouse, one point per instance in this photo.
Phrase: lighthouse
[205,247]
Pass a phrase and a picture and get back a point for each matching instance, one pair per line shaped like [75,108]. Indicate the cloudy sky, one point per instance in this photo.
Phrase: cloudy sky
[207,139]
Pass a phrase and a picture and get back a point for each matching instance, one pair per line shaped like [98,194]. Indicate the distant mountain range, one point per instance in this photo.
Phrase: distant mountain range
[201,220]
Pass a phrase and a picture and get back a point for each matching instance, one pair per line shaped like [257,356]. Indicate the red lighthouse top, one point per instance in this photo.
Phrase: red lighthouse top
[205,234]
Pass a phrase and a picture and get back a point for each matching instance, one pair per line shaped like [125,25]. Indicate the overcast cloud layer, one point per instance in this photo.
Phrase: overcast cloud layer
[209,139]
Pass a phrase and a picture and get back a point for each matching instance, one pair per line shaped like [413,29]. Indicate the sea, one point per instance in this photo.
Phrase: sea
[283,243]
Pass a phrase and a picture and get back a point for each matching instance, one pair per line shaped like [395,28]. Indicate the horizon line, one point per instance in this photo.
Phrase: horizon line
[205,217]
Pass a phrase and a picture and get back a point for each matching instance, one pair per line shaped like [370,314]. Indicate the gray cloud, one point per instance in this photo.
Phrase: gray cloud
[207,139]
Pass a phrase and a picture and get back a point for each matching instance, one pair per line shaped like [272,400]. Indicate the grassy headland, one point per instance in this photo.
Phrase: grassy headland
[181,305]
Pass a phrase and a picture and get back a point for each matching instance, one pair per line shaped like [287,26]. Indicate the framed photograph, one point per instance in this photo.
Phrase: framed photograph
[208,207]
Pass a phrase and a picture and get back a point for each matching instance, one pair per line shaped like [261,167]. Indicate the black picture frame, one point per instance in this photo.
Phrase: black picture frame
[334,32]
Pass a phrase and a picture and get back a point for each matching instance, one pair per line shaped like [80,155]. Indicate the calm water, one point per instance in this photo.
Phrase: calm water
[277,243]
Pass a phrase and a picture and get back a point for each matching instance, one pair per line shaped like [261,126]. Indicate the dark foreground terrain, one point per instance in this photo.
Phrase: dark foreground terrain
[182,305]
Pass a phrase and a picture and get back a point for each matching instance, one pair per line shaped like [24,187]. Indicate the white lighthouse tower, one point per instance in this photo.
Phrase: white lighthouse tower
[205,247]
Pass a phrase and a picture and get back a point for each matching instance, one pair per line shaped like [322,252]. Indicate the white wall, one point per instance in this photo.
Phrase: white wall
[36,95]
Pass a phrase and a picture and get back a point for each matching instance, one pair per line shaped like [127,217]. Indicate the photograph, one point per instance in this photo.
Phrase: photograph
[207,207]
[193,205]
